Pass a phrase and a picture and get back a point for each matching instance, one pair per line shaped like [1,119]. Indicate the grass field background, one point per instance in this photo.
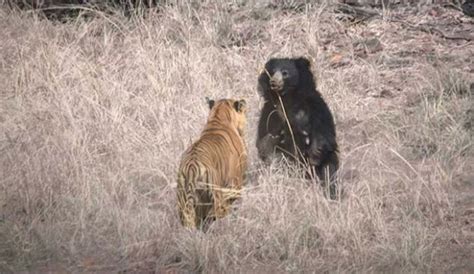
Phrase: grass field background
[95,113]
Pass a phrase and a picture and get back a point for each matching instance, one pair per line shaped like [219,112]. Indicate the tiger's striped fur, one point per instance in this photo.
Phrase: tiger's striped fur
[211,171]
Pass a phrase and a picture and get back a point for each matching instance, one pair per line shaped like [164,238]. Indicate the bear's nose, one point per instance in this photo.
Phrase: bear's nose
[276,82]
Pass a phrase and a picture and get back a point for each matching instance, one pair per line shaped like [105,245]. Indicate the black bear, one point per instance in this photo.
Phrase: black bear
[289,90]
[468,8]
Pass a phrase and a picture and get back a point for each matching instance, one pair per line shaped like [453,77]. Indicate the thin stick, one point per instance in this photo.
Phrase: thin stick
[296,149]
[284,113]
[288,123]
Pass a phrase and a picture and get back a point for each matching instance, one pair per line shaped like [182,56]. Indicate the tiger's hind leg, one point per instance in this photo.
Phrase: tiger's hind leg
[204,207]
[186,203]
[226,196]
[220,207]
[187,214]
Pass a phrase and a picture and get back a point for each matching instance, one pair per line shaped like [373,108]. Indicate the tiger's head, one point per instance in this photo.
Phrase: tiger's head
[230,111]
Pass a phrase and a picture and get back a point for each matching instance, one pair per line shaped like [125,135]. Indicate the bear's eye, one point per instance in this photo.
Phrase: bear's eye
[285,73]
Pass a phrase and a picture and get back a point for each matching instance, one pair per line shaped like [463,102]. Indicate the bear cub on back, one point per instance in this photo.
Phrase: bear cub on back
[312,138]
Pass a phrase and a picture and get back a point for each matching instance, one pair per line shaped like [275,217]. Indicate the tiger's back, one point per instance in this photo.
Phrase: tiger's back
[212,170]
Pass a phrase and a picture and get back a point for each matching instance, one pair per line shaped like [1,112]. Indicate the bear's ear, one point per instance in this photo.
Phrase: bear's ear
[210,102]
[303,62]
[240,105]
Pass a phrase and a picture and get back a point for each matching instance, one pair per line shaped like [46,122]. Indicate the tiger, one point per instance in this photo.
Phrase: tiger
[211,171]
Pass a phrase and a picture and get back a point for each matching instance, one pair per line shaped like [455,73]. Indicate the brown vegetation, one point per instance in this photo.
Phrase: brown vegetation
[95,113]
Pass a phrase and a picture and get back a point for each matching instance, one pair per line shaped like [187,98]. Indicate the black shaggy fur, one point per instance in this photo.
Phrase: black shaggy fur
[468,8]
[309,116]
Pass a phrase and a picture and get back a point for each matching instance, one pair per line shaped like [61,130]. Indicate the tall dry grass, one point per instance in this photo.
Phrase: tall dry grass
[95,113]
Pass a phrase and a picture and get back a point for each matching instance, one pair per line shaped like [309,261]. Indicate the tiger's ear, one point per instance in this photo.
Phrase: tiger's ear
[240,105]
[210,102]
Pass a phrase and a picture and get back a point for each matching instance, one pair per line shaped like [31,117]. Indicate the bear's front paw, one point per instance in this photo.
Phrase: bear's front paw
[266,145]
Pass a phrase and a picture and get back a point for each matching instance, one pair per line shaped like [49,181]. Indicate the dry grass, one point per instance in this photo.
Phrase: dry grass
[94,115]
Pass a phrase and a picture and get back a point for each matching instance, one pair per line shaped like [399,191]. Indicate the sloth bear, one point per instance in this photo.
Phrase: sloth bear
[311,139]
